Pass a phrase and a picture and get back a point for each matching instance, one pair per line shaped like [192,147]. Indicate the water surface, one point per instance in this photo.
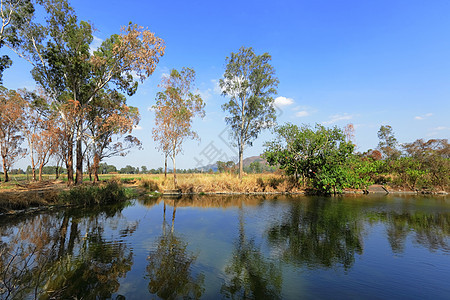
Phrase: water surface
[232,247]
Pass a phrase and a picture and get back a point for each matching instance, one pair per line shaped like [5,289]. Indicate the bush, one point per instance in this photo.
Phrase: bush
[110,193]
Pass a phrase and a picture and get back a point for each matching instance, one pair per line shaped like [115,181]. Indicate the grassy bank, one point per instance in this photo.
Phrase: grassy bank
[214,183]
[49,193]
[113,188]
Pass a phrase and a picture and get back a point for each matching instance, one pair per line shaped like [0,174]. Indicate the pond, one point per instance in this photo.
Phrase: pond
[232,247]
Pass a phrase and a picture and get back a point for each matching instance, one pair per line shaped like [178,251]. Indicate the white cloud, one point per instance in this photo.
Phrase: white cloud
[337,118]
[422,117]
[440,128]
[96,42]
[283,101]
[302,113]
[137,127]
[150,108]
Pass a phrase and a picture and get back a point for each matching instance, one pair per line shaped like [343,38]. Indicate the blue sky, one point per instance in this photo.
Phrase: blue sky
[369,63]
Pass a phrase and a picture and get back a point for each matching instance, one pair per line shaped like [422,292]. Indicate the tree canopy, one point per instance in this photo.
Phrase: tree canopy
[249,82]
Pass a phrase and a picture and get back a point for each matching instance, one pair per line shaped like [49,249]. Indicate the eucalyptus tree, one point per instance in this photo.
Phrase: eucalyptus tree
[250,83]
[110,124]
[69,72]
[12,107]
[175,109]
[388,143]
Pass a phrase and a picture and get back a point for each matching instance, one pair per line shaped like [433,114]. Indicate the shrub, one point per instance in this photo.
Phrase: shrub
[112,192]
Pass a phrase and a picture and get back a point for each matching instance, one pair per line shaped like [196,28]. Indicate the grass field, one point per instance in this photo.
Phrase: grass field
[188,183]
[208,183]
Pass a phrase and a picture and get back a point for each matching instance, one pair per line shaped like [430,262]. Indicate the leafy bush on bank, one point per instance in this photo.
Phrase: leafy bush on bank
[110,193]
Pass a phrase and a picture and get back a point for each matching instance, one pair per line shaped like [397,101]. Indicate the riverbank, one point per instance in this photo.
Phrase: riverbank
[19,196]
[33,196]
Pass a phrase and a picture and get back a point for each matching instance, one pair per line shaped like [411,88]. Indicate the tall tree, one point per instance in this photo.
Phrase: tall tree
[67,70]
[40,131]
[176,106]
[250,83]
[388,142]
[11,122]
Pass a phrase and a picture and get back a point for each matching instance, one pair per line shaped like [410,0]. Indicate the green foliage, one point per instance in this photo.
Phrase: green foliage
[317,154]
[104,168]
[111,193]
[255,167]
[250,83]
[129,170]
[388,142]
[228,166]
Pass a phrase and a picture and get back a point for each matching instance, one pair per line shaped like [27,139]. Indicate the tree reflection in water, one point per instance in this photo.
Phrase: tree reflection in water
[252,275]
[318,233]
[169,266]
[431,229]
[63,255]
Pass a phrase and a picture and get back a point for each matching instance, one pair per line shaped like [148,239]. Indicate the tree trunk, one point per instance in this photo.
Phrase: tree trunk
[95,166]
[165,167]
[57,171]
[33,166]
[175,183]
[241,161]
[89,167]
[40,171]
[5,171]
[79,172]
[69,162]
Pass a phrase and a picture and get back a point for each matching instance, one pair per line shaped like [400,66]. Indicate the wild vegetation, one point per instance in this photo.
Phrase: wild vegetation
[324,159]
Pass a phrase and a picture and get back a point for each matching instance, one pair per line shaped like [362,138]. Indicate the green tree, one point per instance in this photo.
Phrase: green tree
[388,143]
[426,163]
[255,167]
[250,83]
[175,108]
[317,154]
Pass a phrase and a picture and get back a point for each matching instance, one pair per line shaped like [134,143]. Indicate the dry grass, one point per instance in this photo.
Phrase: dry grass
[216,183]
[21,200]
